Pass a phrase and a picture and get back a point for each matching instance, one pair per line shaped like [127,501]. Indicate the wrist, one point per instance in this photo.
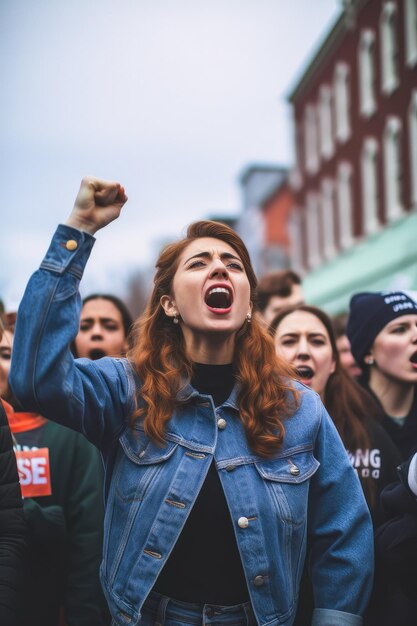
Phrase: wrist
[80,224]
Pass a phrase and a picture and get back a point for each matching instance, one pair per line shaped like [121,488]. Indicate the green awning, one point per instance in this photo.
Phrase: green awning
[386,260]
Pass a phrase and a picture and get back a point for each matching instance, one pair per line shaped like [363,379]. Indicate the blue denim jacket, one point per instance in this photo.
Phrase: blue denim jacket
[307,495]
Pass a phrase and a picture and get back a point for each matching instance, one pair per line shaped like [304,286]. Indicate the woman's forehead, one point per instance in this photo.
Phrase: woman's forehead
[303,320]
[207,244]
[402,319]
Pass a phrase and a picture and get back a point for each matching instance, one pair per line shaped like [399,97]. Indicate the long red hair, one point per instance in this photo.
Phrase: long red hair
[159,356]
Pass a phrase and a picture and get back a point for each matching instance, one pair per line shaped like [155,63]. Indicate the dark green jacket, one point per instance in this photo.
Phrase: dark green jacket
[65,533]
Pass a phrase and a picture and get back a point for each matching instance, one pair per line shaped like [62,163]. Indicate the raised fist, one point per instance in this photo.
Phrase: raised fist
[98,203]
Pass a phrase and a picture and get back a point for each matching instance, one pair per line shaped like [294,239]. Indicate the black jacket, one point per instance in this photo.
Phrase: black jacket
[12,528]
[394,600]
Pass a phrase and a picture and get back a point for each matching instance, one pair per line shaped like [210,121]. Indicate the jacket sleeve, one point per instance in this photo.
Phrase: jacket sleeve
[12,528]
[93,397]
[340,534]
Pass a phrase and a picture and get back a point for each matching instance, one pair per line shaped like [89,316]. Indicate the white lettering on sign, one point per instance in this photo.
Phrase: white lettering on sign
[34,472]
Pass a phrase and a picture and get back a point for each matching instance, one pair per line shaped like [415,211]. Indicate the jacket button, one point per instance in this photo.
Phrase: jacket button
[221,423]
[294,470]
[258,581]
[71,245]
[230,468]
[243,522]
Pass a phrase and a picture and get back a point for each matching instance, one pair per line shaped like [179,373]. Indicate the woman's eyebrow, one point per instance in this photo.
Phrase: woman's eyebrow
[209,255]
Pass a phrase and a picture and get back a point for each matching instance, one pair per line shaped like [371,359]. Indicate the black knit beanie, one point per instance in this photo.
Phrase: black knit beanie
[370,312]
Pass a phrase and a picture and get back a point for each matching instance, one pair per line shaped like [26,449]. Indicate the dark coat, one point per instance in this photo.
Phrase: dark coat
[394,600]
[12,528]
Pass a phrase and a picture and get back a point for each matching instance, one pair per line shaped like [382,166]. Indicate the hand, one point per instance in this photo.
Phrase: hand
[98,203]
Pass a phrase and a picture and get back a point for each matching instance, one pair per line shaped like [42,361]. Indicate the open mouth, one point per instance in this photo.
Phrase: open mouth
[304,372]
[96,353]
[413,358]
[219,299]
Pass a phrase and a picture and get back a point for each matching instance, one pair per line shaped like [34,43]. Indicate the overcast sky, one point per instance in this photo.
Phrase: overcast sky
[173,98]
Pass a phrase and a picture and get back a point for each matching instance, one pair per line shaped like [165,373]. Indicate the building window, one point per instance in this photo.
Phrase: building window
[393,171]
[296,240]
[327,218]
[310,139]
[389,47]
[410,17]
[326,122]
[298,141]
[367,90]
[342,102]
[413,147]
[344,205]
[313,230]
[370,197]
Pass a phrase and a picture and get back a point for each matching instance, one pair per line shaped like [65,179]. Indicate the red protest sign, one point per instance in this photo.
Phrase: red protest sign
[34,472]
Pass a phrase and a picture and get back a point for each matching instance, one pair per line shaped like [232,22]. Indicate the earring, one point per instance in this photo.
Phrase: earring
[175,319]
[249,318]
[370,360]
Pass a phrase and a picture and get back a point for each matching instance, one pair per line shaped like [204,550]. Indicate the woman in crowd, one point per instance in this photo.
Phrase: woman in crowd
[12,523]
[382,331]
[304,337]
[61,478]
[105,324]
[215,459]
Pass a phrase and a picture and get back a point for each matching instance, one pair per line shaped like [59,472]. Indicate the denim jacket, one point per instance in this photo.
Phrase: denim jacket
[307,495]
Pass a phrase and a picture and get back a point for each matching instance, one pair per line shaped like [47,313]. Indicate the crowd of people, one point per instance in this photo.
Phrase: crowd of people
[234,456]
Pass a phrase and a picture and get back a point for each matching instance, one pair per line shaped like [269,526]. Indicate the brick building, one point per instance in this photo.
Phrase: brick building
[354,223]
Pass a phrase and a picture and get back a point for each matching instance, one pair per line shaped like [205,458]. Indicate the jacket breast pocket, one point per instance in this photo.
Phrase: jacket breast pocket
[287,480]
[141,462]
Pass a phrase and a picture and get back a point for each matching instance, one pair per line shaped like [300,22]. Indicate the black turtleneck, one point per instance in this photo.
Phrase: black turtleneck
[205,564]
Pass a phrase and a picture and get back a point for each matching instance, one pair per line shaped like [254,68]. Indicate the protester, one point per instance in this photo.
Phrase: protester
[105,323]
[382,330]
[346,358]
[304,337]
[209,485]
[61,478]
[278,290]
[12,526]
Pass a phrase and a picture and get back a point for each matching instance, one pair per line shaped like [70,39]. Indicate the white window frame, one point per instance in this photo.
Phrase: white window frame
[410,27]
[311,139]
[370,195]
[389,48]
[328,218]
[345,205]
[313,230]
[326,121]
[412,122]
[393,169]
[367,73]
[341,83]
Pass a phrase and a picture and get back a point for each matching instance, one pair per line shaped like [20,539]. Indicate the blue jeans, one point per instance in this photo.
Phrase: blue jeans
[160,610]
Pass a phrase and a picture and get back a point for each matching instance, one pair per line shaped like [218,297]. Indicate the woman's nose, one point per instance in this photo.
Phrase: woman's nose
[219,269]
[303,348]
[96,330]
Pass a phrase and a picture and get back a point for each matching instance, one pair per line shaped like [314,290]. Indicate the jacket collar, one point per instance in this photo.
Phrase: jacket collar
[187,392]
